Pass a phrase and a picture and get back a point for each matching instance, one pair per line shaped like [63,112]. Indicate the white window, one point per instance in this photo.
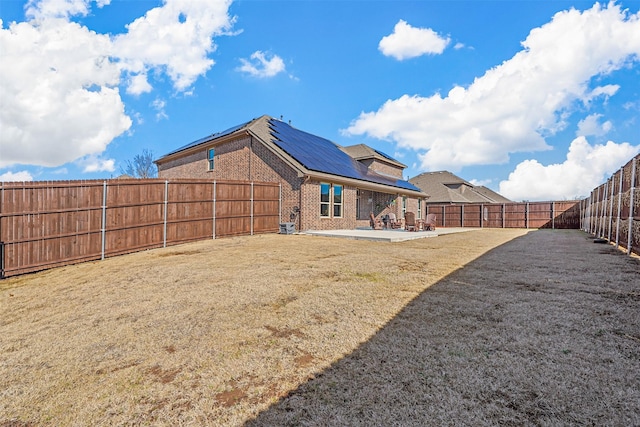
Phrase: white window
[325,199]
[210,156]
[337,201]
[330,200]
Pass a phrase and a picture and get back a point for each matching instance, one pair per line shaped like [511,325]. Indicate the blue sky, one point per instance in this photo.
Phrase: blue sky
[539,100]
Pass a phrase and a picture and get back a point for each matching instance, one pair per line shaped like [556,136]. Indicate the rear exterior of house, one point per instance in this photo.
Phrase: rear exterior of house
[323,185]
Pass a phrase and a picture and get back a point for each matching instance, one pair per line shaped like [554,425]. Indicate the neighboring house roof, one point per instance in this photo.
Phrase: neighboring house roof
[490,194]
[445,187]
[310,154]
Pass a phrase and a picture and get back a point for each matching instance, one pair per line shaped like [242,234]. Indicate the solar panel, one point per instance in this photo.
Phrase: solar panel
[321,155]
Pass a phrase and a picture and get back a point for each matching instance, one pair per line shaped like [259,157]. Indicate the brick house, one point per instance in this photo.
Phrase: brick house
[324,185]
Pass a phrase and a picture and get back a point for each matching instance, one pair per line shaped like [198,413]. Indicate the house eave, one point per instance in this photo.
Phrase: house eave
[366,185]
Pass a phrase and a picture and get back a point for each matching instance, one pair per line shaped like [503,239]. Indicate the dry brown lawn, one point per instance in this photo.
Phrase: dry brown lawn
[537,328]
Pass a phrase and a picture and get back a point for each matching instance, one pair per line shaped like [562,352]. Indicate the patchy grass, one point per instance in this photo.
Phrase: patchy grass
[295,329]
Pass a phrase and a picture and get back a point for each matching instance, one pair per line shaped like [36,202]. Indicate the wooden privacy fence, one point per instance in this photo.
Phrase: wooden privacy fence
[564,214]
[50,224]
[612,211]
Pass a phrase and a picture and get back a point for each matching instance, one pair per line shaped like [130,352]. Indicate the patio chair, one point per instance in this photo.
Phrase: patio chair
[393,221]
[374,223]
[430,223]
[410,221]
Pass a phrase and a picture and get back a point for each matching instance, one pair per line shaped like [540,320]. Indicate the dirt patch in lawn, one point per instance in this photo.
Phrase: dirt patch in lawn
[518,328]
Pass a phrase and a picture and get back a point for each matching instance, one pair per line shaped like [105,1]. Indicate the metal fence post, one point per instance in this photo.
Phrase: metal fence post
[631,210]
[214,210]
[103,230]
[610,211]
[251,207]
[444,215]
[619,209]
[1,243]
[166,203]
[603,214]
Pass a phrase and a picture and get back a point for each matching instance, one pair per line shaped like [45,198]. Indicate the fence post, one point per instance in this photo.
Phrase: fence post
[631,211]
[619,209]
[251,214]
[1,243]
[610,211]
[502,213]
[597,213]
[526,215]
[103,230]
[214,210]
[553,215]
[444,214]
[166,203]
[604,210]
[462,216]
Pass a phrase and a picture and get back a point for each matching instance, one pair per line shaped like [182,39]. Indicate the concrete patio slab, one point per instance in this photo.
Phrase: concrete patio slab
[386,235]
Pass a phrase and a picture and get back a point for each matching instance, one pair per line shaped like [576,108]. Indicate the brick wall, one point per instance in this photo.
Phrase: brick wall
[311,219]
[247,159]
[244,159]
[383,168]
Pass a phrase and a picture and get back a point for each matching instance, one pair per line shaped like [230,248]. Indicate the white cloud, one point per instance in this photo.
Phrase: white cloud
[138,84]
[591,125]
[585,167]
[17,176]
[176,37]
[408,42]
[261,66]
[159,105]
[95,164]
[60,98]
[512,107]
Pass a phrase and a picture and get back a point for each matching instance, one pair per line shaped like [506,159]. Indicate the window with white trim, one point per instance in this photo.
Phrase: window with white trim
[337,201]
[330,200]
[210,156]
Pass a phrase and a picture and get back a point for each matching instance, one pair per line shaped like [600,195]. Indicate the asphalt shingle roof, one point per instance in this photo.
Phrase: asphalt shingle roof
[445,187]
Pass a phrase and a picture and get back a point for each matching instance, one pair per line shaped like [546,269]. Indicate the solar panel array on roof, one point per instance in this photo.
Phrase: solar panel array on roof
[210,137]
[321,155]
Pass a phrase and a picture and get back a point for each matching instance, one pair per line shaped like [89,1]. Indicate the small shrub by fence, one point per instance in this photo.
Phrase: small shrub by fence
[612,211]
[51,224]
[564,214]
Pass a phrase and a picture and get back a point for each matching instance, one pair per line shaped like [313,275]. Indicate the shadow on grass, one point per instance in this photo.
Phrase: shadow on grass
[542,330]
